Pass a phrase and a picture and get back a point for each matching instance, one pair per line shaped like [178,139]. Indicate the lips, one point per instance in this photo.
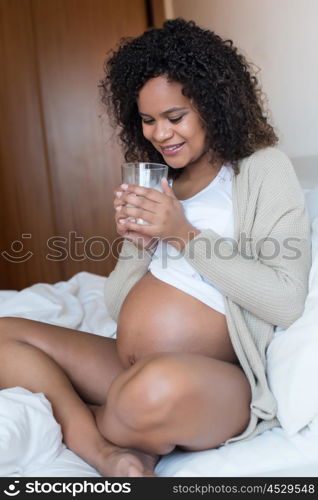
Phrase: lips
[172,149]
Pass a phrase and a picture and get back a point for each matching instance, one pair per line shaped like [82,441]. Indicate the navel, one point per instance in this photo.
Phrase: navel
[131,360]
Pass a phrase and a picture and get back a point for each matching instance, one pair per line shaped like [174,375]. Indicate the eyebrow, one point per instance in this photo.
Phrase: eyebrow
[170,110]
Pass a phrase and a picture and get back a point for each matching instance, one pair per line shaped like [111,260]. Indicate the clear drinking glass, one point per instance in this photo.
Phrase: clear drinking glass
[144,174]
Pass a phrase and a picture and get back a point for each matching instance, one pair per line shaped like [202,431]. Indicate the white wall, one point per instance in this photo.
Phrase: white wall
[281,38]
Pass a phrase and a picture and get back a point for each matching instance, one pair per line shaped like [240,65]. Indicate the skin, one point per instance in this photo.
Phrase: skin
[121,418]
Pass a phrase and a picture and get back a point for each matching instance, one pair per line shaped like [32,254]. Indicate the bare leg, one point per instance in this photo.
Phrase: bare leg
[54,360]
[177,399]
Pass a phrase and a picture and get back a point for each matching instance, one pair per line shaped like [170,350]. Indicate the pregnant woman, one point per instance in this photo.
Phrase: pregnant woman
[196,293]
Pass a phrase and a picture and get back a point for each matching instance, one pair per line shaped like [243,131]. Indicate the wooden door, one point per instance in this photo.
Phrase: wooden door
[60,160]
[25,195]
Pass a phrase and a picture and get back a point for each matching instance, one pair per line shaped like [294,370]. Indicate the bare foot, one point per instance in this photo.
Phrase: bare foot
[125,462]
[114,461]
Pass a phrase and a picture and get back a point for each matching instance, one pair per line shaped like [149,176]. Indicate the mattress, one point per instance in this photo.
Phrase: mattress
[31,442]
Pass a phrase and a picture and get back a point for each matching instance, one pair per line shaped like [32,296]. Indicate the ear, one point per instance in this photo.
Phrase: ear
[166,188]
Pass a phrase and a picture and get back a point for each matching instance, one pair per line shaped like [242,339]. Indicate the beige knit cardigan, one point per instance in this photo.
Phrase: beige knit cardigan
[263,275]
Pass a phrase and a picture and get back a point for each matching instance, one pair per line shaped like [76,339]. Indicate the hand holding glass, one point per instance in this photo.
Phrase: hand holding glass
[144,174]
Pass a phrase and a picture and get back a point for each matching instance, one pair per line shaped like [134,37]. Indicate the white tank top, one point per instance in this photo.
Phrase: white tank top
[210,208]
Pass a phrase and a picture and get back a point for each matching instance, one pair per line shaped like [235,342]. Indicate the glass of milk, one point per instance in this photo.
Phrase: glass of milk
[144,174]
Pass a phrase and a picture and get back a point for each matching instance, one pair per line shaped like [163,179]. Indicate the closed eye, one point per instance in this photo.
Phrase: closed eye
[172,120]
[175,120]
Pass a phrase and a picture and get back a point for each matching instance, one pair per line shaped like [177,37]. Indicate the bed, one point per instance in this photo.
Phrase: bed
[30,438]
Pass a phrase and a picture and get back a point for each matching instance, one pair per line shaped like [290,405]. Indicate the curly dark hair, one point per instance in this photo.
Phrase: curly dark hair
[212,73]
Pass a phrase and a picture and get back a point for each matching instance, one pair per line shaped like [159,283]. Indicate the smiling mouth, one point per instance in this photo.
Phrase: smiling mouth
[172,149]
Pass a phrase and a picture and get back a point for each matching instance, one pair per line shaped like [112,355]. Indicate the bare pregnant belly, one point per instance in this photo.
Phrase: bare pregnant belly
[157,317]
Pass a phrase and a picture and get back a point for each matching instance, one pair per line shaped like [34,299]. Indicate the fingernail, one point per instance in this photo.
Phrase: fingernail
[119,193]
[118,208]
[121,221]
[124,186]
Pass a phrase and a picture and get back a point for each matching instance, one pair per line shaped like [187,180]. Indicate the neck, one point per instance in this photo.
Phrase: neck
[201,169]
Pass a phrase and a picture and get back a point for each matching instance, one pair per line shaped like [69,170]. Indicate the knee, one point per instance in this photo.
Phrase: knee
[147,399]
[139,407]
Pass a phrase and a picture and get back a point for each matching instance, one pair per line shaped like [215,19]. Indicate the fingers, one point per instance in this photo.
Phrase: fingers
[131,212]
[166,189]
[119,225]
[149,193]
[132,200]
[130,206]
[130,225]
[118,193]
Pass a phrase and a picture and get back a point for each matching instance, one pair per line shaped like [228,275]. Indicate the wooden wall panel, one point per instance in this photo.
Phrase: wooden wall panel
[73,38]
[59,159]
[25,194]
[158,13]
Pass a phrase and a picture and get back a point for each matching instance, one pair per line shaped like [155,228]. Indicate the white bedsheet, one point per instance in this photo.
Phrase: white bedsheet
[30,438]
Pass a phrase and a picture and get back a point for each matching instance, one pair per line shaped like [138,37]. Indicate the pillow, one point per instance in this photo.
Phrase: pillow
[292,368]
[30,437]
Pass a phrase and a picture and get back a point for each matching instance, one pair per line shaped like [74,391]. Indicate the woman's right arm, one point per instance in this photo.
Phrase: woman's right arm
[132,264]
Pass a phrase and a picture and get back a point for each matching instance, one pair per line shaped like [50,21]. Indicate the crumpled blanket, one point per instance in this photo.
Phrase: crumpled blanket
[30,437]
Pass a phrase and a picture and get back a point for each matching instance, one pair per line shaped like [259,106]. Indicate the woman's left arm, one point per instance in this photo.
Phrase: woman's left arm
[274,293]
[267,272]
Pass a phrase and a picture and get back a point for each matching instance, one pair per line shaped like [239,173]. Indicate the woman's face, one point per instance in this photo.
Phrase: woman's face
[171,124]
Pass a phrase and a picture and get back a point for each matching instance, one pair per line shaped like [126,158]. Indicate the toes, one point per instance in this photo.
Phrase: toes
[134,471]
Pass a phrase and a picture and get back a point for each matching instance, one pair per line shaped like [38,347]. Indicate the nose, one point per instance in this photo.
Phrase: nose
[162,132]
